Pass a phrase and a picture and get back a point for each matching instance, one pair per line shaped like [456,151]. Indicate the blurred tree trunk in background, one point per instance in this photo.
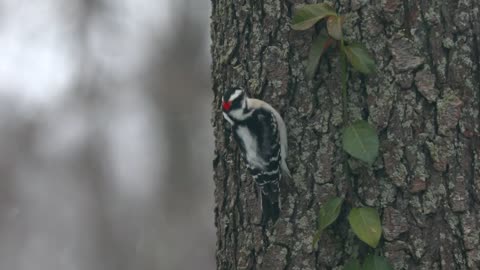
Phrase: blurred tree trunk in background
[424,102]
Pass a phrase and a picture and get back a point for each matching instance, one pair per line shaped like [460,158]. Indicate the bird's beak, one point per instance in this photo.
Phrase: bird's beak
[226,105]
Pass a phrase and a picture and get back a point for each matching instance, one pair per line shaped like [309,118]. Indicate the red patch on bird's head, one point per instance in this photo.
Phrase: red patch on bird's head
[226,105]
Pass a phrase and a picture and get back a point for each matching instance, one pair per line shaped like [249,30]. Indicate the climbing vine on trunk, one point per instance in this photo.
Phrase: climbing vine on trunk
[359,139]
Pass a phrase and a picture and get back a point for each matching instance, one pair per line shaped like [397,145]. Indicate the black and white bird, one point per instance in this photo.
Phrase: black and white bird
[260,132]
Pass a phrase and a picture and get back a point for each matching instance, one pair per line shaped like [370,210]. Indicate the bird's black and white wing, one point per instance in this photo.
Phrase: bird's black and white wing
[268,148]
[267,176]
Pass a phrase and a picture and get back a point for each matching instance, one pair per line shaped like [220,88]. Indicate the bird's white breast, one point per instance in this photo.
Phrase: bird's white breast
[250,143]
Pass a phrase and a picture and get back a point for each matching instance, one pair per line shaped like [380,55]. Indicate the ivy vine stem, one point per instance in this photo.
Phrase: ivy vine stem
[344,75]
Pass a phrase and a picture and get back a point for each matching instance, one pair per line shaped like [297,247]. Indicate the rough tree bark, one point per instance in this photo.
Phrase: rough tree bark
[424,101]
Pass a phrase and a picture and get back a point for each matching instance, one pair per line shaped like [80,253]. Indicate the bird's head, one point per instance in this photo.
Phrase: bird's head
[234,101]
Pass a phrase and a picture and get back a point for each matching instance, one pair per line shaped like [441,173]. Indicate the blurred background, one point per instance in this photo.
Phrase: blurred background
[105,137]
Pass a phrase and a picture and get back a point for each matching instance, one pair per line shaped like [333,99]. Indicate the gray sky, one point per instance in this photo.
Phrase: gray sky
[86,171]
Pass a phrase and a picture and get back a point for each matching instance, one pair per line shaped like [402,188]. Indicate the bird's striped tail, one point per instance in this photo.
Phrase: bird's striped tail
[270,202]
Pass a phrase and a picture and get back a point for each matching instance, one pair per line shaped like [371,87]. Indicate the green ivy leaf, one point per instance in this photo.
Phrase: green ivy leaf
[334,27]
[352,264]
[319,46]
[365,223]
[374,262]
[316,238]
[359,57]
[308,15]
[329,212]
[360,140]
[327,215]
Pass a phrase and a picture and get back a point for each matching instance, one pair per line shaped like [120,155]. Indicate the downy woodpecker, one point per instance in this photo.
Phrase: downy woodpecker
[260,132]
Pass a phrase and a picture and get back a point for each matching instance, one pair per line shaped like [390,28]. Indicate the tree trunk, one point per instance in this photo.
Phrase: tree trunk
[424,101]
